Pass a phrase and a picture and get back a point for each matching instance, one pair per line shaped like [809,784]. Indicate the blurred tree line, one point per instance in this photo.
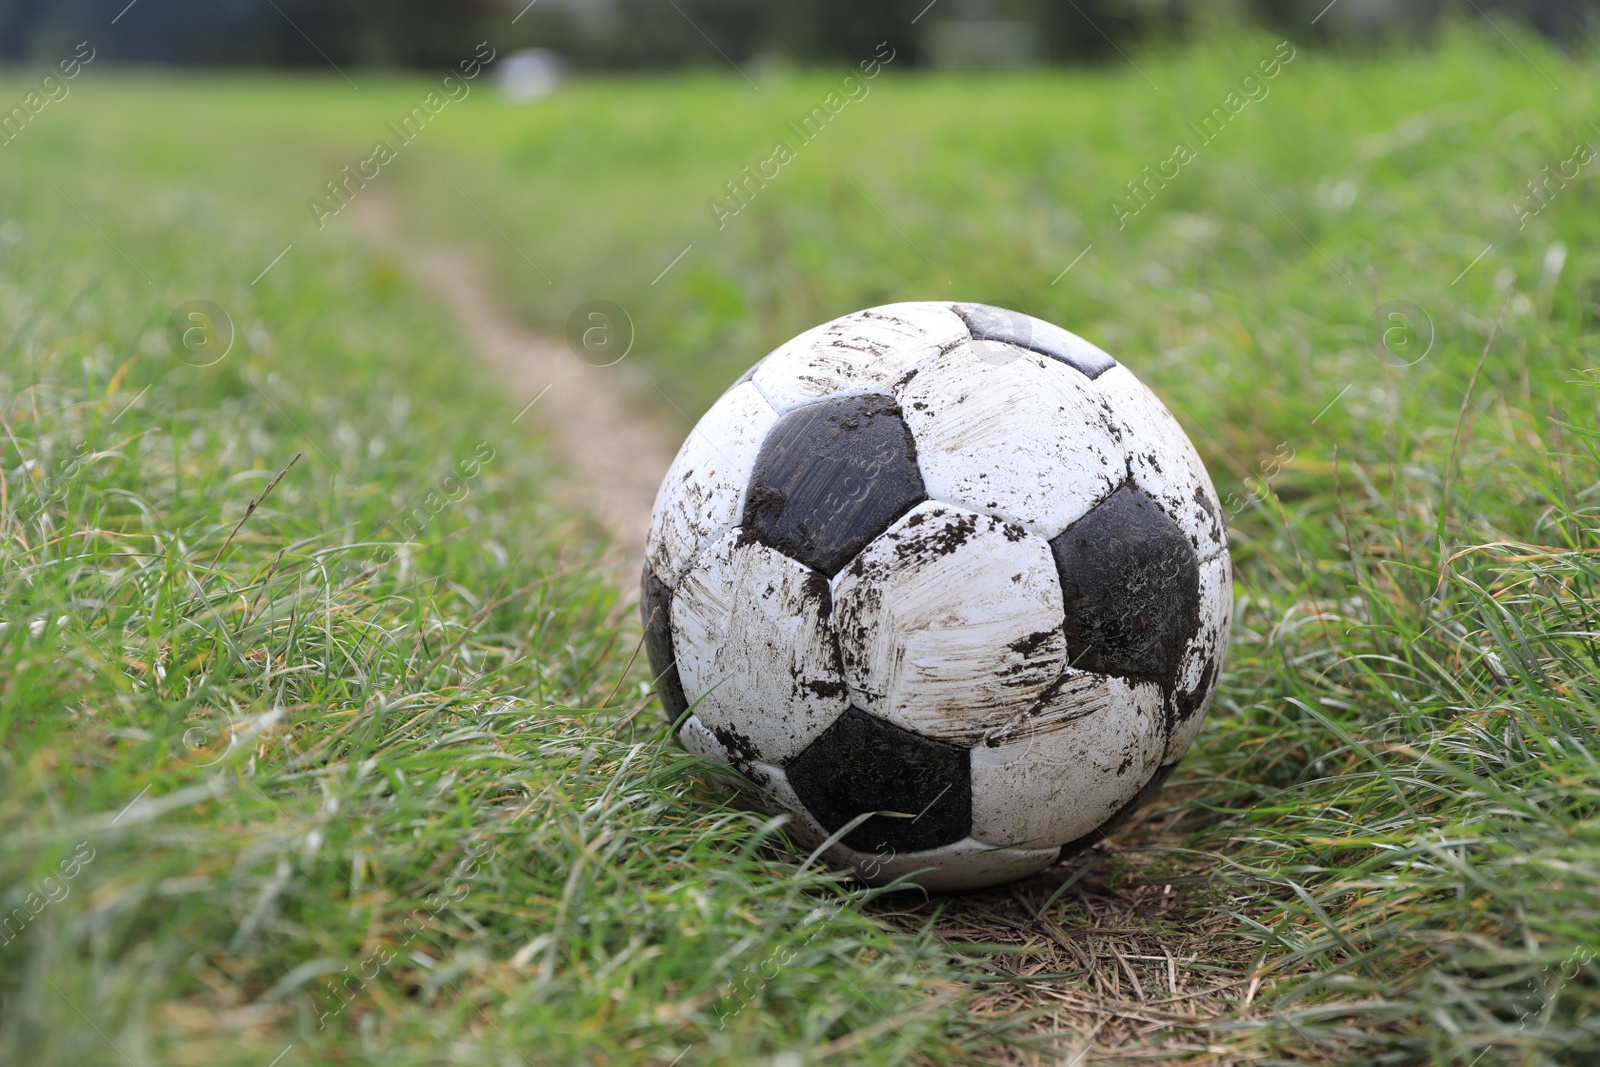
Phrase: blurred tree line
[672,33]
[289,33]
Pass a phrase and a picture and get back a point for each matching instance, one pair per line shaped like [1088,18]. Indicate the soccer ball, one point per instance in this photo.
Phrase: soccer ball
[946,578]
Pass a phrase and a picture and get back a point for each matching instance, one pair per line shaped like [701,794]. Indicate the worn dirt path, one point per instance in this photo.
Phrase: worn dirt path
[616,458]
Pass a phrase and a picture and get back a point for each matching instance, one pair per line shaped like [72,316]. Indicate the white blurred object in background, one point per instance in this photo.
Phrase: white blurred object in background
[530,73]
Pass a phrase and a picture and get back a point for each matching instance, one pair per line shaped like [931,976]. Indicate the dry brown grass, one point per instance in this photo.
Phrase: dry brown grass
[1125,953]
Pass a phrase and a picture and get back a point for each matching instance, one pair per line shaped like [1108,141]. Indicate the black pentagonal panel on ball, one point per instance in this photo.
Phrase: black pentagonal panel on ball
[1036,335]
[831,476]
[1132,587]
[655,609]
[863,764]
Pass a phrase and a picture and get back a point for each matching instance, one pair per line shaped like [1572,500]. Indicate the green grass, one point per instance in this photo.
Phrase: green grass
[1383,848]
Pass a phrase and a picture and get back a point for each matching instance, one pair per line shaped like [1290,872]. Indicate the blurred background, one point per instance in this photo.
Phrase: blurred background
[646,34]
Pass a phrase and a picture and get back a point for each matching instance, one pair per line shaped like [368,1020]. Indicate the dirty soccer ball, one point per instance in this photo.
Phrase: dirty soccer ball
[947,567]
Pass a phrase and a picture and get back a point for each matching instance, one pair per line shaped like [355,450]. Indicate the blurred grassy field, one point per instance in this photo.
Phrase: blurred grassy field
[1383,848]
